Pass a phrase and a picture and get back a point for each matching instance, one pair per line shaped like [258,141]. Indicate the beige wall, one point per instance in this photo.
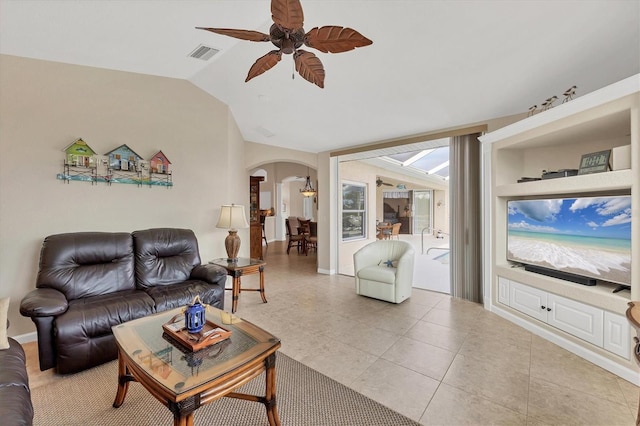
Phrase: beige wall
[44,106]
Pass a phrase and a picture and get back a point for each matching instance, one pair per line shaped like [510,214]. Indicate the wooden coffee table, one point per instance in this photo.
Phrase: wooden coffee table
[183,380]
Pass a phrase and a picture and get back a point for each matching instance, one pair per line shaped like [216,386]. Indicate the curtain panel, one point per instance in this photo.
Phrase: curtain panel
[465,234]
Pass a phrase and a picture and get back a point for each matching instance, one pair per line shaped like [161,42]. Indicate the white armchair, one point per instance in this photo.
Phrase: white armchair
[384,270]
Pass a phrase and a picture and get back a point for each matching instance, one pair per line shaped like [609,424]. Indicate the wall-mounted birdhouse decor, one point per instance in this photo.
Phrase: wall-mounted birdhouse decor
[120,165]
[123,158]
[79,154]
[160,163]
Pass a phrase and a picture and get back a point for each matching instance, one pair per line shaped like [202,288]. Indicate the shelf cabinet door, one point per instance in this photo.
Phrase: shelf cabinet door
[583,321]
[528,300]
[503,291]
[617,337]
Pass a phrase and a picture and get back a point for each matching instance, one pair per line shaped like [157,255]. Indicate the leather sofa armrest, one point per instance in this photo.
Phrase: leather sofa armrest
[43,302]
[213,274]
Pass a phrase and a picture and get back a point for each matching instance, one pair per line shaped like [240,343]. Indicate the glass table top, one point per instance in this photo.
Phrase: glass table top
[173,365]
[242,262]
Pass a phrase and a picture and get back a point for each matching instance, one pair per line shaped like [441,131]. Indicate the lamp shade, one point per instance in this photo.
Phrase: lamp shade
[232,217]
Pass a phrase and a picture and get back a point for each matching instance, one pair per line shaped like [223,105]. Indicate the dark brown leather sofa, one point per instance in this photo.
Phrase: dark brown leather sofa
[16,408]
[91,281]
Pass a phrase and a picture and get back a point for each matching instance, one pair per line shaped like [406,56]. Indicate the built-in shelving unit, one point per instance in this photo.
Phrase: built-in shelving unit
[554,140]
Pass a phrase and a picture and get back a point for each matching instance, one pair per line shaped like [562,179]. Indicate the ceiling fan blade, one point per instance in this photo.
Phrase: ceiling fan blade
[335,39]
[241,34]
[264,63]
[309,67]
[287,14]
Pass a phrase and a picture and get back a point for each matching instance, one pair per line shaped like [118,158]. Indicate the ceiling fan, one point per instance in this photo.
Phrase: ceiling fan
[379,183]
[288,36]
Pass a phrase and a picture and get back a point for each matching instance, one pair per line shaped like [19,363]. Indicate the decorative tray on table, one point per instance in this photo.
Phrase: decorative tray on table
[210,334]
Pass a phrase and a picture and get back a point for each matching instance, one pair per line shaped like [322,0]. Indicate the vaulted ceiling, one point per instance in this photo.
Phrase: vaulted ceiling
[433,64]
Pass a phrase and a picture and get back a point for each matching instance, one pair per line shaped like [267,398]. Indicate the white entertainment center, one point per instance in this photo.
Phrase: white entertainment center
[586,320]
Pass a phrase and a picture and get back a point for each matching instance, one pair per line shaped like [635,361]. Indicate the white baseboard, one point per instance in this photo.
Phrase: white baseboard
[326,271]
[26,338]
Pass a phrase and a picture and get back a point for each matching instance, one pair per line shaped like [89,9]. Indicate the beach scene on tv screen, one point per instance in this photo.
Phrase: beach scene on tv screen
[588,236]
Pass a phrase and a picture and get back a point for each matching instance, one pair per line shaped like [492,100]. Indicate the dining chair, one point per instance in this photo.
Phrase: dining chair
[311,240]
[293,239]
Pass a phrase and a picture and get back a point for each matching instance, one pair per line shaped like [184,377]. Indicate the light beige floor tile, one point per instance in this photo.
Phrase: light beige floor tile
[388,383]
[341,362]
[392,322]
[498,328]
[497,352]
[452,406]
[364,337]
[408,308]
[452,303]
[427,298]
[552,404]
[631,394]
[467,318]
[420,357]
[437,335]
[553,364]
[502,384]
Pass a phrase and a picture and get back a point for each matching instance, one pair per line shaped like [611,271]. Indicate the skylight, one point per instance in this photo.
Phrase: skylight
[429,161]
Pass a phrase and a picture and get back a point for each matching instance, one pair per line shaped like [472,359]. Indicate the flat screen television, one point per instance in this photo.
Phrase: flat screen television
[586,237]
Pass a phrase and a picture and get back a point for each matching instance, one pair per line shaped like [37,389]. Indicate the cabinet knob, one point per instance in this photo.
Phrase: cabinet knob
[543,307]
[548,309]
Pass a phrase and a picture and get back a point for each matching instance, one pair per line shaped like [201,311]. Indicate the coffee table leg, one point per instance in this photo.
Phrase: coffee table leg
[184,410]
[123,381]
[264,298]
[270,394]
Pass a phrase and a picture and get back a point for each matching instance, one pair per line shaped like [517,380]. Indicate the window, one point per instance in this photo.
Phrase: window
[354,215]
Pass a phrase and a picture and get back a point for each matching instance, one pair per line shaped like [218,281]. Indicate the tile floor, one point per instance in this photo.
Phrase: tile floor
[435,359]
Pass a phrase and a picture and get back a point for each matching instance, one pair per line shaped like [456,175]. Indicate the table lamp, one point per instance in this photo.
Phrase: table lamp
[232,217]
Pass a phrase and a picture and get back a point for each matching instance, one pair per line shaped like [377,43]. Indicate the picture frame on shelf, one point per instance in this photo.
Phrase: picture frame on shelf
[595,162]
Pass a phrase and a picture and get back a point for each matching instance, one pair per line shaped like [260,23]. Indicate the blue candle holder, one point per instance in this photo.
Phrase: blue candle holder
[194,318]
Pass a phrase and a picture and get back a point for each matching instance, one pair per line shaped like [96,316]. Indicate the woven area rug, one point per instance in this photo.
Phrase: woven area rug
[304,397]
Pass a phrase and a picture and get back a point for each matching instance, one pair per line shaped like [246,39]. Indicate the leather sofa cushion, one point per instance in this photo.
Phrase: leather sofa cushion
[164,256]
[83,333]
[15,397]
[94,316]
[85,264]
[178,295]
[13,372]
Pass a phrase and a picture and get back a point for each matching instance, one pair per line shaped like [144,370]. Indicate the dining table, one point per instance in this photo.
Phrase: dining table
[381,228]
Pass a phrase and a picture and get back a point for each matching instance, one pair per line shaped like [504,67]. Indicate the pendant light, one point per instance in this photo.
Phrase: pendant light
[308,190]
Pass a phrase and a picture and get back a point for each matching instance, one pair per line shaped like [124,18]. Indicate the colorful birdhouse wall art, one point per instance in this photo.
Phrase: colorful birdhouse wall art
[121,165]
[123,158]
[160,163]
[79,154]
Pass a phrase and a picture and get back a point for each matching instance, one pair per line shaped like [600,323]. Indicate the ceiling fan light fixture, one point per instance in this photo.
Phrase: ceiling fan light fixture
[308,190]
[288,35]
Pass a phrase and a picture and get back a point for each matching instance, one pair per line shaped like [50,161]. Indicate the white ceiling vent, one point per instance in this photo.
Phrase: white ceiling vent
[203,52]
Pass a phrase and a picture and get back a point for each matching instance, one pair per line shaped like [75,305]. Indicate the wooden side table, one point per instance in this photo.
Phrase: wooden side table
[633,315]
[244,266]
